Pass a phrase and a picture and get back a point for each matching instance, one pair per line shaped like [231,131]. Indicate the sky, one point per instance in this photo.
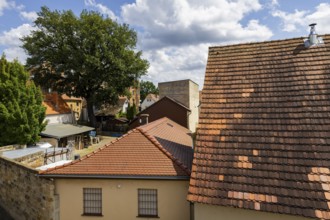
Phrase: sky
[175,35]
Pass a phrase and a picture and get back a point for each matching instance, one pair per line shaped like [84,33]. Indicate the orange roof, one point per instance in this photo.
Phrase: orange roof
[263,139]
[161,148]
[55,104]
[66,97]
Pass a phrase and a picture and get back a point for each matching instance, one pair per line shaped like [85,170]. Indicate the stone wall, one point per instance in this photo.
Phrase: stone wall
[23,194]
[32,160]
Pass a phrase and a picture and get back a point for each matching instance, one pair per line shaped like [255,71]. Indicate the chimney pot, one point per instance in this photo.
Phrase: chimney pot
[313,39]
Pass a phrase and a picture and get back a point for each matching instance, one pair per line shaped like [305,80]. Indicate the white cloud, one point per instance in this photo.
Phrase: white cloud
[175,34]
[297,20]
[173,63]
[183,22]
[12,37]
[4,4]
[101,8]
[11,40]
[321,16]
[15,53]
[291,21]
[274,3]
[30,16]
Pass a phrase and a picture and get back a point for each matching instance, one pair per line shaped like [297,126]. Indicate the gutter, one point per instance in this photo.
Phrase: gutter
[86,176]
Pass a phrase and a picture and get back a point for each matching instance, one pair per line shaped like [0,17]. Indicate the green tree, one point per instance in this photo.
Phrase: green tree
[131,111]
[21,110]
[147,87]
[87,56]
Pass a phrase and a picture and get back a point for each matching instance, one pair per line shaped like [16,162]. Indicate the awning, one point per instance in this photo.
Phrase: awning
[64,130]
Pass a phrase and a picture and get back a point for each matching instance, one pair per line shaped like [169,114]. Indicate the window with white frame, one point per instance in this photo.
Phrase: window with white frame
[92,201]
[147,203]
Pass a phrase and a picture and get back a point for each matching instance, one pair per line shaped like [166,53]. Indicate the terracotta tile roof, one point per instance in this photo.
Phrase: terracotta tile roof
[264,130]
[161,148]
[55,104]
[66,97]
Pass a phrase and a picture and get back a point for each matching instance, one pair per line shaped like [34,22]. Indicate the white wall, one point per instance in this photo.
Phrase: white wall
[59,119]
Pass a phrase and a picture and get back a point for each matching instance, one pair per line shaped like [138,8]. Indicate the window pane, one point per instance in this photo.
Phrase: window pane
[147,199]
[92,201]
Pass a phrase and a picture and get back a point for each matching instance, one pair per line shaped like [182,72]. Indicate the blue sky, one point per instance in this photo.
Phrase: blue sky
[174,35]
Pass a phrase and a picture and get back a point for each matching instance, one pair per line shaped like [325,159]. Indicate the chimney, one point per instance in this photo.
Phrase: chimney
[313,39]
[144,118]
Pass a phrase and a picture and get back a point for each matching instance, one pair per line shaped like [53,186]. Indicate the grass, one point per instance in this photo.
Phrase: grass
[104,140]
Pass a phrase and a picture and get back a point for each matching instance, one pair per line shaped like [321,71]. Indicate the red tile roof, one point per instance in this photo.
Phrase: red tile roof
[70,98]
[161,148]
[264,130]
[55,104]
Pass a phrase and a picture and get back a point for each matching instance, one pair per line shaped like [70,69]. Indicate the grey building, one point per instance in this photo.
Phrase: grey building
[185,92]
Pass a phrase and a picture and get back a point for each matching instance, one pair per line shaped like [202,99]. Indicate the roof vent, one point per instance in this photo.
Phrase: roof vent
[313,39]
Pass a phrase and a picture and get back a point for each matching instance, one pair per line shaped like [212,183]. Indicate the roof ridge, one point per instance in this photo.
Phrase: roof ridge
[154,123]
[168,154]
[266,41]
[88,155]
[176,101]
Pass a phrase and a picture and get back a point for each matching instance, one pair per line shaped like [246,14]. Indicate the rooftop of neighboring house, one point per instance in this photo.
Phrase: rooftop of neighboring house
[55,104]
[162,99]
[70,98]
[161,149]
[263,141]
[156,109]
[152,97]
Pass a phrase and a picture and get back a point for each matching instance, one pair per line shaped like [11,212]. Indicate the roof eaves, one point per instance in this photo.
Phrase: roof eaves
[168,154]
[88,176]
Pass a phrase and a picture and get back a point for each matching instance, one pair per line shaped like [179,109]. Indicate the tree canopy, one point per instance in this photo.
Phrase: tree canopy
[147,87]
[87,56]
[21,110]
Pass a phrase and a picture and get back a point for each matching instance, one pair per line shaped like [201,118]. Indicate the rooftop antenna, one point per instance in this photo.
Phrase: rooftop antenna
[313,40]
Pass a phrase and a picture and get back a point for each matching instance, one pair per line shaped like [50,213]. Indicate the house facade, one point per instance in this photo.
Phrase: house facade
[61,129]
[143,174]
[263,140]
[57,110]
[75,104]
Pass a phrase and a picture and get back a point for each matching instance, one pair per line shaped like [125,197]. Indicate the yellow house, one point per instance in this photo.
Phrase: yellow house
[143,174]
[75,104]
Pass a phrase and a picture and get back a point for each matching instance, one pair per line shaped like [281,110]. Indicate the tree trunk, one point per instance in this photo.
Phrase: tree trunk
[90,111]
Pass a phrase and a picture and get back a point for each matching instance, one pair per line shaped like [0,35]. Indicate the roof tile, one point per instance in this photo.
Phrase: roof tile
[263,141]
[161,148]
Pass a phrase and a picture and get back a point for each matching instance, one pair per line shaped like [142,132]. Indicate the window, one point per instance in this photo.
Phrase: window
[92,201]
[147,199]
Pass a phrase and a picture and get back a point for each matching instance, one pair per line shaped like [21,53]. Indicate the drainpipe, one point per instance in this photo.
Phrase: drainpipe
[192,211]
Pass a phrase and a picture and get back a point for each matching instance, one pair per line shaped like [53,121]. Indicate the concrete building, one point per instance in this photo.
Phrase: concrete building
[186,92]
